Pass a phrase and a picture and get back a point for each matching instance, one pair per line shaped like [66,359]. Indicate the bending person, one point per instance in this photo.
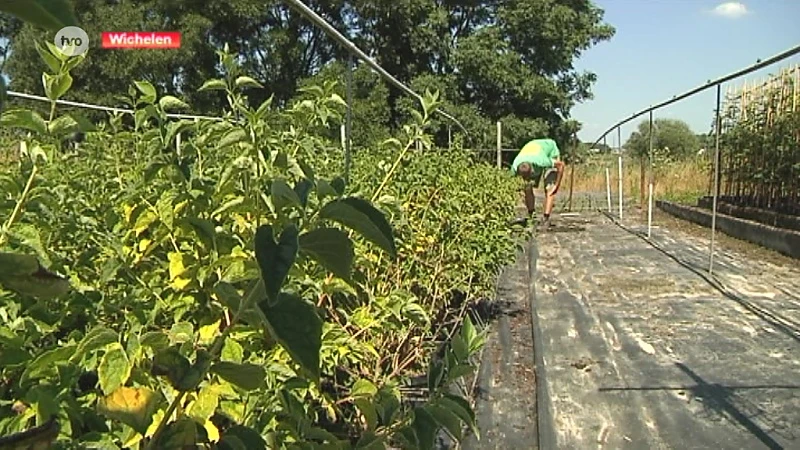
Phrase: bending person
[537,158]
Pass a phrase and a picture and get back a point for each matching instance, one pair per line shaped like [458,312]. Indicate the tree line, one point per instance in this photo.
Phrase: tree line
[510,61]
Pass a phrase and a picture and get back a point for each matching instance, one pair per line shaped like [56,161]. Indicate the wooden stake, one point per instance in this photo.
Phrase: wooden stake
[744,101]
[796,82]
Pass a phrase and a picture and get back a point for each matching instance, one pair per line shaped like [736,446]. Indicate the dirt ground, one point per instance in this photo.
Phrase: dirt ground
[636,348]
[641,351]
[722,240]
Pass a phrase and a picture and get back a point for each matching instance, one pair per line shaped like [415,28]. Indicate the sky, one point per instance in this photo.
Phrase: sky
[667,47]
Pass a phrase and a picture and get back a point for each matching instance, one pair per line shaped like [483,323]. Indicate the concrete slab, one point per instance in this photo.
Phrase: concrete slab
[639,351]
[782,240]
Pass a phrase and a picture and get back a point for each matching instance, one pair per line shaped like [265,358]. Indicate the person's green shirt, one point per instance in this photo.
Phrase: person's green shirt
[540,153]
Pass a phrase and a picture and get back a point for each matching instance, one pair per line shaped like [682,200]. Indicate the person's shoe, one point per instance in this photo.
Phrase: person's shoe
[544,225]
[522,221]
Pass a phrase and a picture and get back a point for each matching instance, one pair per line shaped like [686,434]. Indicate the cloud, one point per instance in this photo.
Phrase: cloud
[731,10]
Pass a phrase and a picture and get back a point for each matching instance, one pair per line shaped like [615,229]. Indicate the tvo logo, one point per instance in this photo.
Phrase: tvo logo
[72,41]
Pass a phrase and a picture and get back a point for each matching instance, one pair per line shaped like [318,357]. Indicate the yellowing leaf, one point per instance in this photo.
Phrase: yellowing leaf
[212,431]
[144,221]
[157,417]
[143,244]
[134,439]
[127,211]
[180,283]
[131,406]
[203,407]
[208,332]
[175,265]
[176,268]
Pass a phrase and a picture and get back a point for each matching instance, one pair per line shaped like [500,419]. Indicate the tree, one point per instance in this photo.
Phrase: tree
[9,26]
[674,138]
[510,60]
[277,45]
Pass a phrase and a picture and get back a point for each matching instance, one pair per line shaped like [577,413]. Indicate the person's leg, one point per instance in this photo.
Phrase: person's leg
[549,199]
[530,199]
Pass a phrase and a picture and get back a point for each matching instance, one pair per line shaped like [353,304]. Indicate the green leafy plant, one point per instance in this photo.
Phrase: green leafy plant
[236,292]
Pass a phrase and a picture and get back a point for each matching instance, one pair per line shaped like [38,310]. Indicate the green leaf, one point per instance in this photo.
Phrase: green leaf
[283,195]
[14,264]
[53,63]
[73,61]
[461,408]
[367,408]
[446,419]
[25,275]
[246,376]
[230,297]
[336,98]
[114,369]
[470,335]
[459,370]
[171,363]
[370,441]
[62,125]
[338,185]
[360,216]
[181,332]
[46,362]
[156,340]
[294,323]
[134,407]
[55,51]
[232,137]
[324,189]
[232,351]
[435,374]
[205,404]
[330,247]
[56,86]
[196,373]
[181,433]
[303,189]
[389,403]
[213,85]
[50,14]
[228,205]
[204,228]
[425,428]
[308,171]
[148,90]
[23,118]
[11,357]
[363,387]
[169,102]
[264,107]
[248,437]
[97,337]
[460,348]
[275,259]
[245,81]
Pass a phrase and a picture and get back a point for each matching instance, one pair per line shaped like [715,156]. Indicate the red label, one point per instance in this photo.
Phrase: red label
[141,39]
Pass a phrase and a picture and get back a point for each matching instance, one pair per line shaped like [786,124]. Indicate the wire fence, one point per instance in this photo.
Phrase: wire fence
[756,159]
